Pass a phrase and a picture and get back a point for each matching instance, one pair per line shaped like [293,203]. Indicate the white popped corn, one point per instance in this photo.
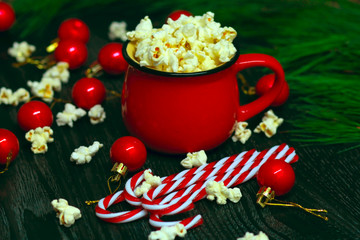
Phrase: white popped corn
[150,182]
[67,214]
[195,159]
[222,193]
[168,232]
[39,138]
[270,123]
[50,81]
[9,98]
[189,44]
[21,51]
[59,71]
[118,30]
[251,236]
[69,115]
[83,154]
[42,89]
[241,133]
[97,114]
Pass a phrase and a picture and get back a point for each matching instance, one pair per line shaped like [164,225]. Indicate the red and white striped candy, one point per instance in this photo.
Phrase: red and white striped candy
[178,192]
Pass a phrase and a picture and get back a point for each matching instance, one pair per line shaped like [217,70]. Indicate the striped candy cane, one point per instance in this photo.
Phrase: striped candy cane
[178,192]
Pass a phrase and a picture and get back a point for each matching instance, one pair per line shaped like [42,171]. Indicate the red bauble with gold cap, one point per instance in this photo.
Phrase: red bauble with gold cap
[278,175]
[9,146]
[7,16]
[129,151]
[34,114]
[74,29]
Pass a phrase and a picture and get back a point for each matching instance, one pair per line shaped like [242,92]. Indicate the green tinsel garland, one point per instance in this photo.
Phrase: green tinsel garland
[317,42]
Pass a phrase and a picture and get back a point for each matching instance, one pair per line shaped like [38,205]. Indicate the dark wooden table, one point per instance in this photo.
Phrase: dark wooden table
[325,177]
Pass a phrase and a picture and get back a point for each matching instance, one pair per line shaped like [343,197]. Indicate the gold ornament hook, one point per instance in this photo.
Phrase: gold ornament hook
[245,87]
[53,45]
[119,170]
[40,62]
[266,195]
[8,160]
[94,70]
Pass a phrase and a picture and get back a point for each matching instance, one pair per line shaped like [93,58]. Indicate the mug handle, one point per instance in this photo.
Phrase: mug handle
[259,60]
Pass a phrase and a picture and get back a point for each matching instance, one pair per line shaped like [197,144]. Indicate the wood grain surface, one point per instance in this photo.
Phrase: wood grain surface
[325,177]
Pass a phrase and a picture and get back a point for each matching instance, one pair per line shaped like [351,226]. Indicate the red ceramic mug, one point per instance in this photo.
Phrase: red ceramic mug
[187,112]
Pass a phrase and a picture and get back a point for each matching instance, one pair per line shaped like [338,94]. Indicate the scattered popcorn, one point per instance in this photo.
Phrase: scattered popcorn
[150,181]
[189,44]
[21,51]
[195,159]
[69,115]
[83,154]
[97,114]
[59,71]
[118,30]
[168,233]
[270,123]
[221,192]
[67,214]
[42,89]
[241,133]
[39,138]
[50,81]
[9,98]
[251,236]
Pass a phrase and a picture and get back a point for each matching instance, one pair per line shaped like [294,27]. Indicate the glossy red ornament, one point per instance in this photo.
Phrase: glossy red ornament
[7,16]
[265,84]
[188,112]
[130,151]
[34,114]
[9,146]
[74,29]
[176,14]
[111,59]
[71,51]
[278,175]
[87,92]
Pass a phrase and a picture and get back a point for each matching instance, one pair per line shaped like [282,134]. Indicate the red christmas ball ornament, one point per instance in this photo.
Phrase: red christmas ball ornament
[278,175]
[9,146]
[34,114]
[175,15]
[74,29]
[111,59]
[129,151]
[71,51]
[87,92]
[7,16]
[265,84]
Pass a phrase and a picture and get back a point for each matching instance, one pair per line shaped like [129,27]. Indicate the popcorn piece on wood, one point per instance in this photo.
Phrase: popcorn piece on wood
[195,159]
[42,89]
[150,181]
[69,115]
[241,133]
[221,192]
[50,82]
[9,98]
[251,236]
[21,51]
[83,154]
[39,138]
[118,30]
[59,71]
[67,214]
[97,114]
[168,232]
[270,123]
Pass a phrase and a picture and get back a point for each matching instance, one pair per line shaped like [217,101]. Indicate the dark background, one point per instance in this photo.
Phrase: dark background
[326,176]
